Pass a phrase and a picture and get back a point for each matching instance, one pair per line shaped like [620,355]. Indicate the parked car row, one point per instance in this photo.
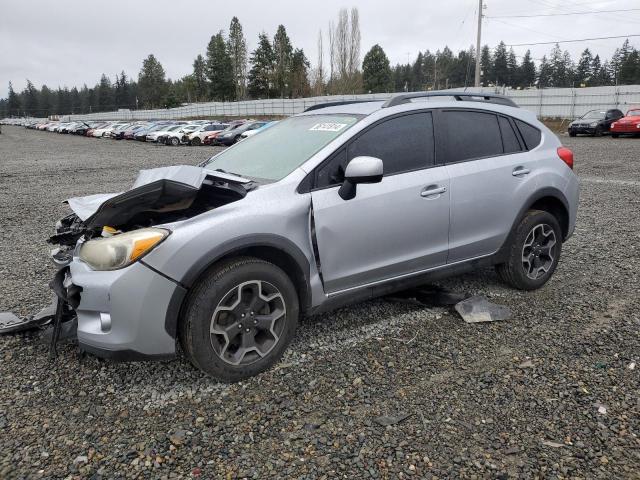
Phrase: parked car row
[166,132]
[600,122]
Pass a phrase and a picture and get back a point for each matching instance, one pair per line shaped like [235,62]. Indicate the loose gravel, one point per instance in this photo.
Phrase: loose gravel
[377,390]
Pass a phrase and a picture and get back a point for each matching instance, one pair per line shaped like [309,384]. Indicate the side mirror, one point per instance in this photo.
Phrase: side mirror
[360,170]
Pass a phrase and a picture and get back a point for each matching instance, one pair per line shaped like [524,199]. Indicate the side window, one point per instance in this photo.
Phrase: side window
[402,143]
[530,135]
[509,138]
[332,171]
[471,135]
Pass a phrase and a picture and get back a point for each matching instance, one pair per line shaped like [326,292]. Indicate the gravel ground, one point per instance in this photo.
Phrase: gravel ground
[551,393]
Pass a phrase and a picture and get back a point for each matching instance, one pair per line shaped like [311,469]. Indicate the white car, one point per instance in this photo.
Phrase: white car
[103,130]
[196,137]
[175,138]
[153,136]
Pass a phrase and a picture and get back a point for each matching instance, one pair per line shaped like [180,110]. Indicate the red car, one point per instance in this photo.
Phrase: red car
[627,125]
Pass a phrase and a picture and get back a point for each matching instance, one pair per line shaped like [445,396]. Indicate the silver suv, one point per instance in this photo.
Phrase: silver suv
[339,204]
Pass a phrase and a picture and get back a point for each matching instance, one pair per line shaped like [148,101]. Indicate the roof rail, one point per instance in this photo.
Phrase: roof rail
[458,96]
[318,106]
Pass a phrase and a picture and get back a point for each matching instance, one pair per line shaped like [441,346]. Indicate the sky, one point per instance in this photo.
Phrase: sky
[72,42]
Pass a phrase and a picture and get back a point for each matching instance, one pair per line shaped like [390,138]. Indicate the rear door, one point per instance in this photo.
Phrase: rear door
[392,228]
[489,169]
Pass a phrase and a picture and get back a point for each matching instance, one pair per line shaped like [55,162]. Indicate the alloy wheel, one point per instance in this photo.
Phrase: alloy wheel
[539,251]
[248,322]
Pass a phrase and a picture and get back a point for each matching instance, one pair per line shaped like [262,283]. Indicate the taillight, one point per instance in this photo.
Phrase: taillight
[566,156]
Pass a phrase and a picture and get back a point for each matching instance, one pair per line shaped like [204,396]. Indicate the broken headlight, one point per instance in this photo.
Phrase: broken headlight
[121,250]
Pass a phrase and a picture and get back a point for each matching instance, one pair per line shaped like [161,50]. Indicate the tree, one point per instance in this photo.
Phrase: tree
[30,102]
[48,102]
[584,71]
[545,73]
[318,75]
[13,103]
[500,65]
[122,94]
[376,71]
[344,39]
[299,74]
[152,84]
[486,65]
[262,67]
[105,94]
[237,46]
[527,71]
[220,69]
[283,52]
[199,78]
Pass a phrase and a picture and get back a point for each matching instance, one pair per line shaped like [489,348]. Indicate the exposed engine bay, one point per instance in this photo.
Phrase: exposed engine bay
[160,195]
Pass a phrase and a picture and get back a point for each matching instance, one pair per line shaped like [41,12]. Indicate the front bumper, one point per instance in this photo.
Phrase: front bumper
[127,314]
[582,130]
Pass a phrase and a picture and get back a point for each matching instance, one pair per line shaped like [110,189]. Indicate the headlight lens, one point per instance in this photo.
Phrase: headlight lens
[594,124]
[121,250]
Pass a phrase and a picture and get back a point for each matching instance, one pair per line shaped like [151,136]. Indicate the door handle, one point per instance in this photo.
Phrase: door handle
[520,171]
[432,190]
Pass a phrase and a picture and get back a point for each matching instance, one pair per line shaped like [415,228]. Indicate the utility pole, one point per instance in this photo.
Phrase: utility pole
[477,80]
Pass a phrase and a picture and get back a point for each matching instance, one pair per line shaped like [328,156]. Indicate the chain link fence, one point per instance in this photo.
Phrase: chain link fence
[560,103]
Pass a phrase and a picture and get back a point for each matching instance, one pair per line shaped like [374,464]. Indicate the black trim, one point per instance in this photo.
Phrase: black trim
[241,243]
[458,96]
[319,106]
[124,355]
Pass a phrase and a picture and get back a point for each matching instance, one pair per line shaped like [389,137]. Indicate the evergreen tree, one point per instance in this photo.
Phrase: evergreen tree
[262,68]
[500,65]
[417,72]
[152,84]
[486,65]
[30,100]
[545,74]
[376,71]
[13,103]
[219,69]
[199,78]
[299,74]
[47,102]
[282,51]
[237,46]
[527,71]
[584,72]
[122,94]
[513,72]
[629,70]
[105,94]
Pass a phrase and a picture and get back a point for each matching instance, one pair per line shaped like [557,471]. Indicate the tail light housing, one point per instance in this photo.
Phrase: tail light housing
[566,156]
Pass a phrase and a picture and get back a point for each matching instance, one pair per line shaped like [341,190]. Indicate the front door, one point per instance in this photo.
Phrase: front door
[392,228]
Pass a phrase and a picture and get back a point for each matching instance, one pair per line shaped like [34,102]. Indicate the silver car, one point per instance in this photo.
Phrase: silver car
[332,206]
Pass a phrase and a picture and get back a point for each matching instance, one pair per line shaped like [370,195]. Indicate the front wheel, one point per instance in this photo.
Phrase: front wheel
[240,319]
[175,141]
[597,132]
[195,141]
[534,252]
[572,134]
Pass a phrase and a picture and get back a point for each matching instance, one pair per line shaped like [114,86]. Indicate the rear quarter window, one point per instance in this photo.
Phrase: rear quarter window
[530,134]
[471,135]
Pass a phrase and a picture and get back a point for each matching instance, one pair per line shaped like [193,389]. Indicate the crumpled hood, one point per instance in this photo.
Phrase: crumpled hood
[187,175]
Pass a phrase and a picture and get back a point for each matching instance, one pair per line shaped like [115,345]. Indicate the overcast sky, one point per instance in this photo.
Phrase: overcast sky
[72,42]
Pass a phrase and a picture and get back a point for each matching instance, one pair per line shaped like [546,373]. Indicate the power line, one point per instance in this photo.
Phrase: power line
[570,41]
[565,14]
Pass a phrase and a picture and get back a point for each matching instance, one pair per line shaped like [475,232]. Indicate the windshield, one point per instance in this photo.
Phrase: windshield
[594,114]
[279,150]
[633,113]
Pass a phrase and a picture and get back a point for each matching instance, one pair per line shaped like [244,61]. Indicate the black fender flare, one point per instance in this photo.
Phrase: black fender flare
[533,198]
[227,249]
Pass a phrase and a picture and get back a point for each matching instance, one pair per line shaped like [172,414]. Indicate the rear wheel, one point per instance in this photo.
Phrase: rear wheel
[534,251]
[240,319]
[175,141]
[195,141]
[598,131]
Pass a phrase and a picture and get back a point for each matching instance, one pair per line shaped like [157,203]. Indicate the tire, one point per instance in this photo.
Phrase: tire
[597,132]
[614,135]
[226,357]
[572,134]
[195,141]
[174,141]
[532,257]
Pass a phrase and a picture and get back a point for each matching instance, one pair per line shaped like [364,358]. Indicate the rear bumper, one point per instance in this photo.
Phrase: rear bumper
[127,314]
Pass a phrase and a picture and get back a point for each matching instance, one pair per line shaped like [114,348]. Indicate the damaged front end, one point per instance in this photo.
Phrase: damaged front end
[158,196]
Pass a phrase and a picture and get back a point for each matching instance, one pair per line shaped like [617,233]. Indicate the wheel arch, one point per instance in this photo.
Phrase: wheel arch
[280,251]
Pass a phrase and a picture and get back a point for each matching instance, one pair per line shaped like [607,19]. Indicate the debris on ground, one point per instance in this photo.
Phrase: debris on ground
[430,295]
[386,420]
[478,309]
[548,443]
[11,323]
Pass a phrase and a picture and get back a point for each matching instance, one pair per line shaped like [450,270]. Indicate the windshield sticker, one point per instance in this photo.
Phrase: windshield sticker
[327,127]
